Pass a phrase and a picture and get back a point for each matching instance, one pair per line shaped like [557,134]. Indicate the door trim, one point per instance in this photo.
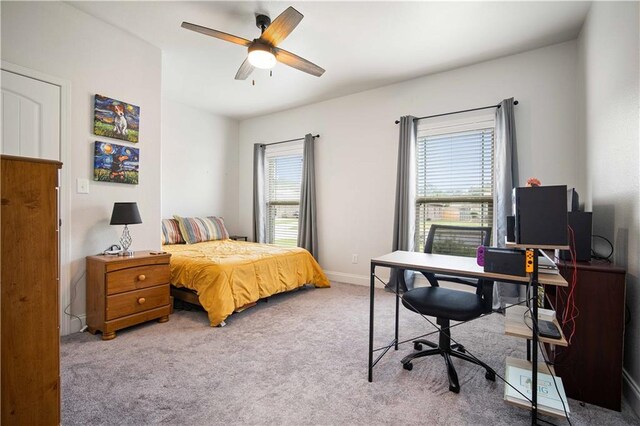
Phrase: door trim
[65,185]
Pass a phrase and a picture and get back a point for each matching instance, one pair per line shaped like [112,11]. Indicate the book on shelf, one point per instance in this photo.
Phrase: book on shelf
[548,396]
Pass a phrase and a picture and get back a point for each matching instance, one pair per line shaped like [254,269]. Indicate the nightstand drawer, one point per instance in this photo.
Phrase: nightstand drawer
[137,278]
[133,302]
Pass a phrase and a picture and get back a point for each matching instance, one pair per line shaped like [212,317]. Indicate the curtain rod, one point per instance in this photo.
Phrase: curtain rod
[458,112]
[290,140]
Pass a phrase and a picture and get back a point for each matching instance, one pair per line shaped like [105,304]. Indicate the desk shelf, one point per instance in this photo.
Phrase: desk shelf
[511,244]
[552,279]
[521,402]
[514,325]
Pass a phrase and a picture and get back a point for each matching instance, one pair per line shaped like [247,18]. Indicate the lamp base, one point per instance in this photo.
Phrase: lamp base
[126,241]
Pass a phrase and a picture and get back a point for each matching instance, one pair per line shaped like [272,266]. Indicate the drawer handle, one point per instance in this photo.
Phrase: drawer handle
[141,277]
[141,300]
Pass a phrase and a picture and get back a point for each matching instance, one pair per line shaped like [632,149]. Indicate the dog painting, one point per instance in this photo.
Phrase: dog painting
[116,119]
[115,163]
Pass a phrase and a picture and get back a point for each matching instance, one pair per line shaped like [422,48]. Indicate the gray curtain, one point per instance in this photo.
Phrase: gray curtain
[259,233]
[405,206]
[307,227]
[506,177]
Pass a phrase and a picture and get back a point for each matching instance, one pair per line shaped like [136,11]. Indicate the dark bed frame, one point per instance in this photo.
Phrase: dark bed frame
[185,294]
[191,296]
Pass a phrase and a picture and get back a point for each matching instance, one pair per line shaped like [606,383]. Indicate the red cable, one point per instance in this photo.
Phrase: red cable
[571,311]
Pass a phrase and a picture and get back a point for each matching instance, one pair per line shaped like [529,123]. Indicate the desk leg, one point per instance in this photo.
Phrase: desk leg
[404,285]
[371,299]
[534,343]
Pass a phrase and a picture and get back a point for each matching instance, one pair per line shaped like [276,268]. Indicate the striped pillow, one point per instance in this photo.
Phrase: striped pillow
[198,229]
[171,232]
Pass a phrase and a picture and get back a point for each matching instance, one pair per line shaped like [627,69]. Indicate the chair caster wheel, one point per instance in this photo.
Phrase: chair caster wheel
[408,366]
[417,346]
[454,389]
[489,375]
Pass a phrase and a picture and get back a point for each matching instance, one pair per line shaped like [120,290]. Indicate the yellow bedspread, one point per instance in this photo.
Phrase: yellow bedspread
[229,274]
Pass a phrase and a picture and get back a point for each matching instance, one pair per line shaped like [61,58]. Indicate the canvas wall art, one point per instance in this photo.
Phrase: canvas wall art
[115,163]
[116,119]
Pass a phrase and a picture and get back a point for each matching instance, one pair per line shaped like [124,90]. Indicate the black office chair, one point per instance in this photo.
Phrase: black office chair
[447,304]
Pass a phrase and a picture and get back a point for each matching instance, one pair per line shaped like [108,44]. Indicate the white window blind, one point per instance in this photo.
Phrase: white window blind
[283,182]
[454,175]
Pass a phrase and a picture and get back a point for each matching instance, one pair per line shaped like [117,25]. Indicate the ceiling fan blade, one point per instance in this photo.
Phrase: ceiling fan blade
[297,62]
[282,26]
[217,34]
[245,70]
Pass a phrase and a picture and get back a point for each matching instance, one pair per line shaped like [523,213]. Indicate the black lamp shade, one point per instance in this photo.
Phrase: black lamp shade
[125,214]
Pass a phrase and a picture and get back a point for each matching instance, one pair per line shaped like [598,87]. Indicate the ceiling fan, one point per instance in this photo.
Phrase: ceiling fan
[263,51]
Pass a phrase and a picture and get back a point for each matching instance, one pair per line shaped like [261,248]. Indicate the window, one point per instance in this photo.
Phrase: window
[454,174]
[283,181]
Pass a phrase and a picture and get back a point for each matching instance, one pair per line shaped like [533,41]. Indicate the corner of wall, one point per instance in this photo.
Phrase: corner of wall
[631,391]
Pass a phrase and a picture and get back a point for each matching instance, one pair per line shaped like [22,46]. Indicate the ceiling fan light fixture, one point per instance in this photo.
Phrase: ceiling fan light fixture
[261,56]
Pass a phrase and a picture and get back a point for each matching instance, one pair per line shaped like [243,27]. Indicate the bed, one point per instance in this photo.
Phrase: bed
[229,275]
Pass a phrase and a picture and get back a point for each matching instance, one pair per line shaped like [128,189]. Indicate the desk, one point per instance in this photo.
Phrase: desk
[459,267]
[456,266]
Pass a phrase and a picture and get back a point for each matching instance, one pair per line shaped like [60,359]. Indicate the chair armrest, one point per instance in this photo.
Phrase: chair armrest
[433,280]
[486,290]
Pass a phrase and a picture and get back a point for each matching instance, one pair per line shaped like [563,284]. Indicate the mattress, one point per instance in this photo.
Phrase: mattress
[228,274]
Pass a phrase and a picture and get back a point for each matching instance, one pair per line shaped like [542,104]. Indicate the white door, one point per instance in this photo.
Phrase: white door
[31,127]
[30,117]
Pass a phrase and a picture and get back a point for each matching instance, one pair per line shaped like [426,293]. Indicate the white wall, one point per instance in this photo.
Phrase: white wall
[59,40]
[609,67]
[357,150]
[199,163]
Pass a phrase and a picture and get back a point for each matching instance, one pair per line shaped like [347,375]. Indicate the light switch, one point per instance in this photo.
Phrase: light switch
[82,186]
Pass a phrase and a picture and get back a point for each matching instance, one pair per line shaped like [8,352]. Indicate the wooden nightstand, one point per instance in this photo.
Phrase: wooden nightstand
[126,290]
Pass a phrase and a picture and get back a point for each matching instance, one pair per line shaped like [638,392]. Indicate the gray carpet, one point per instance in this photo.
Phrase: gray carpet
[300,358]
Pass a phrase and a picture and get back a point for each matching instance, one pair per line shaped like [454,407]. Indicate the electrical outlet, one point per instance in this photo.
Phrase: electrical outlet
[354,258]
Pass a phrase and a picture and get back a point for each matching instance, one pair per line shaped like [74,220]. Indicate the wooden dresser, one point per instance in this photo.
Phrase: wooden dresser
[591,366]
[30,312]
[126,290]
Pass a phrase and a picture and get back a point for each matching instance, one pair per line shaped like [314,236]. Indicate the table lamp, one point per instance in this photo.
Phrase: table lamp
[125,214]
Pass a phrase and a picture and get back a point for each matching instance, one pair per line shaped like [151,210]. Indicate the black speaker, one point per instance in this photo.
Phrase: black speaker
[580,223]
[541,215]
[511,225]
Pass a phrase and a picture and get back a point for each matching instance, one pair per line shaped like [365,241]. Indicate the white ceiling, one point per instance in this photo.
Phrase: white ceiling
[362,45]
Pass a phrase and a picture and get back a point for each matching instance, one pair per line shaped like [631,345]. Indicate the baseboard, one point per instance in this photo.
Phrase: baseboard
[77,323]
[631,392]
[343,277]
